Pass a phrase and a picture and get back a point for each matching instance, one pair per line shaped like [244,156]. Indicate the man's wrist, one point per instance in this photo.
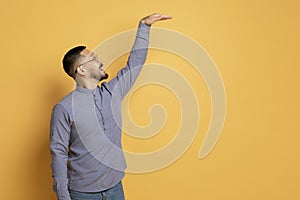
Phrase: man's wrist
[143,21]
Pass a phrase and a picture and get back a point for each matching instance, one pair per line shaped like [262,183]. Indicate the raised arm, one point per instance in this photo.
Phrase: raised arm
[128,75]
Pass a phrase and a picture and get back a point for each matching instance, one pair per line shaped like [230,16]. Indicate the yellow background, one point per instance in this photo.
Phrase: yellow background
[255,45]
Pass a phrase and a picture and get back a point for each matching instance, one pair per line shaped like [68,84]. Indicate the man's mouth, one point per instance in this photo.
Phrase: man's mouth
[100,67]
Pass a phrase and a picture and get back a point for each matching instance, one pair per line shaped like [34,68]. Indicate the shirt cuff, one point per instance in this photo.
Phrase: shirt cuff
[144,24]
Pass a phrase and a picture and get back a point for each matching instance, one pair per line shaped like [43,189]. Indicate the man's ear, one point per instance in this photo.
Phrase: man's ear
[80,70]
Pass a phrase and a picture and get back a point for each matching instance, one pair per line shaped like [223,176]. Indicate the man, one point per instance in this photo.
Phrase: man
[78,172]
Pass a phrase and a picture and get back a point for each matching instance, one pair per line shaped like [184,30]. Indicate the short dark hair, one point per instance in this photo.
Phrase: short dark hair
[70,59]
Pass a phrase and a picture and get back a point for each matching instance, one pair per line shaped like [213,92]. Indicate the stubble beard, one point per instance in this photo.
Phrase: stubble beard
[100,77]
[104,77]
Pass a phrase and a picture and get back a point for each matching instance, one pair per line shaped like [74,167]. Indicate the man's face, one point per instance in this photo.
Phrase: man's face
[91,65]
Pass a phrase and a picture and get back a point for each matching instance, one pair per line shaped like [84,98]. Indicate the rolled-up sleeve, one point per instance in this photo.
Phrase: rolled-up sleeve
[59,145]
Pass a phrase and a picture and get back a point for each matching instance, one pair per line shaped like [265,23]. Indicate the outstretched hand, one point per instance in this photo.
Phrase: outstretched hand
[151,19]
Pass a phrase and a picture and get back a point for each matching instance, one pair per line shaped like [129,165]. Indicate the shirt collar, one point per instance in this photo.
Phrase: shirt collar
[85,90]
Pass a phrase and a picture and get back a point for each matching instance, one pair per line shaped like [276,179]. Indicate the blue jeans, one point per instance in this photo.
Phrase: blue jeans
[114,193]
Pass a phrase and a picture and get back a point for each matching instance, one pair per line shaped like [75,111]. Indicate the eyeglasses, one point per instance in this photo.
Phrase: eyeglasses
[94,58]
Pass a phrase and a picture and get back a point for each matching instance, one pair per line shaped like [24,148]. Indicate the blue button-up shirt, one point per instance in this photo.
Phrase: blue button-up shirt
[73,166]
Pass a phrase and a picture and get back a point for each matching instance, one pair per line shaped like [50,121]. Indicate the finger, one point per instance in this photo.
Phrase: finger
[157,15]
[164,17]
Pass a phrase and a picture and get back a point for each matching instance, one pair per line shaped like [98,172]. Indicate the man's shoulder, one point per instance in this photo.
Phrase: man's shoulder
[65,102]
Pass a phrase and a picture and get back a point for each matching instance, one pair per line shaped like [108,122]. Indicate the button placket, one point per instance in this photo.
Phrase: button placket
[98,104]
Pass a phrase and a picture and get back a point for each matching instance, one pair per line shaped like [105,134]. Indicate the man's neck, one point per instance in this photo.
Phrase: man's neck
[88,84]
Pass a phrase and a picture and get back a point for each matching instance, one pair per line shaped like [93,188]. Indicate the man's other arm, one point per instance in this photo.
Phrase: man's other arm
[59,145]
